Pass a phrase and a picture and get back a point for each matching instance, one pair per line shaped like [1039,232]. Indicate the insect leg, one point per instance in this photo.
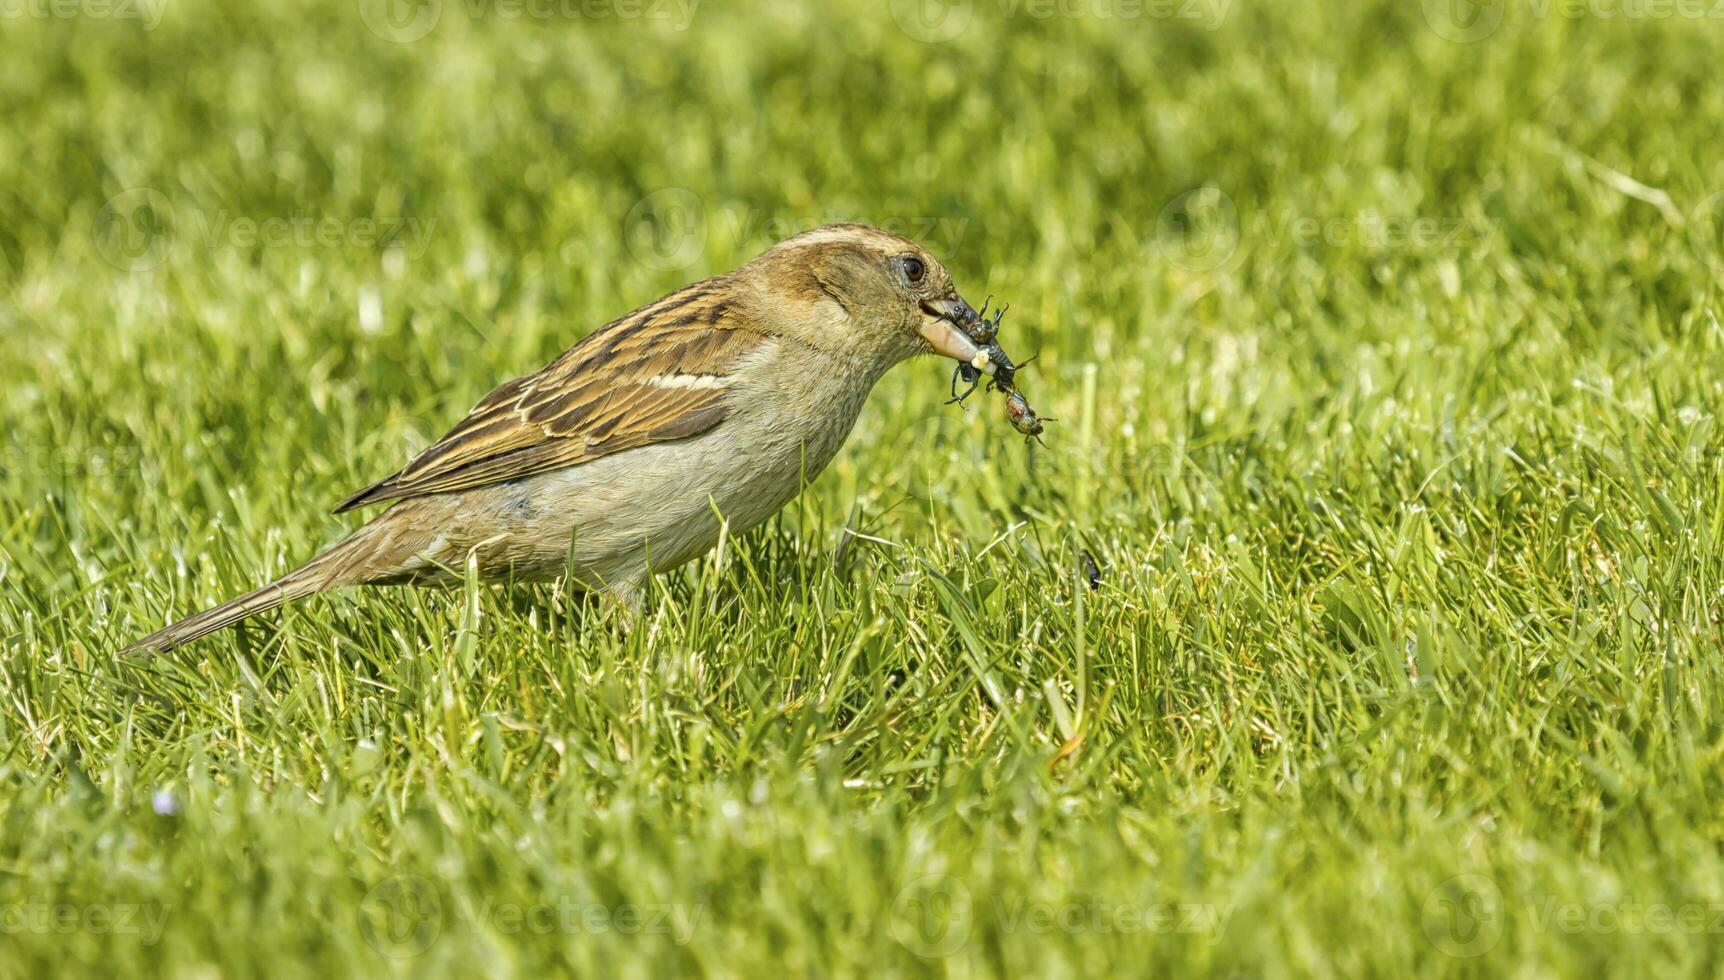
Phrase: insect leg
[970,375]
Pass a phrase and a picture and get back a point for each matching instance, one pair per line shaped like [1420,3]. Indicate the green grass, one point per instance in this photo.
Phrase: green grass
[1388,370]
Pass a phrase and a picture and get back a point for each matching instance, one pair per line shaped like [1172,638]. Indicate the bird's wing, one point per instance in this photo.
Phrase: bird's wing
[660,373]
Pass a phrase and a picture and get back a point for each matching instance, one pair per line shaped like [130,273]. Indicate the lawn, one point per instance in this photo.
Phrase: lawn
[1384,343]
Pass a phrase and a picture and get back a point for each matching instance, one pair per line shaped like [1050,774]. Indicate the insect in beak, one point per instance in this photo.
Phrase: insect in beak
[992,359]
[944,326]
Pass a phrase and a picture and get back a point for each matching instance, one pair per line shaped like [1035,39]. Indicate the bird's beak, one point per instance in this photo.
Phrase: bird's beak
[943,324]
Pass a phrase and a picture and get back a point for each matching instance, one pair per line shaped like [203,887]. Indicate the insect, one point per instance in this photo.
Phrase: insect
[1024,418]
[1001,372]
[992,361]
[1091,570]
[983,331]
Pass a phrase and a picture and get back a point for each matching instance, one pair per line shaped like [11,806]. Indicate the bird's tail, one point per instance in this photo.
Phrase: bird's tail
[355,559]
[289,587]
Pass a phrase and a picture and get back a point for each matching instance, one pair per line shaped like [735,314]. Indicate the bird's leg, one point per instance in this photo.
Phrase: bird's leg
[622,600]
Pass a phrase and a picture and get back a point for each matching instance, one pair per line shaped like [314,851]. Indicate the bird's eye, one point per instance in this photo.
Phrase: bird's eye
[914,270]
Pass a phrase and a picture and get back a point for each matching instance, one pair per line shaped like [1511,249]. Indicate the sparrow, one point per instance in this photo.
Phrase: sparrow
[626,455]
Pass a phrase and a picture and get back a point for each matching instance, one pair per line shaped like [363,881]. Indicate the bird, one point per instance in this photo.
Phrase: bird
[627,455]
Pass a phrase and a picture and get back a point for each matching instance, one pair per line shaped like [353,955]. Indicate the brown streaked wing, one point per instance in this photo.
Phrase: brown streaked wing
[606,394]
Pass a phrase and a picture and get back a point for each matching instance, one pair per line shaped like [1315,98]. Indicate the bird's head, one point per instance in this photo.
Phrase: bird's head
[869,294]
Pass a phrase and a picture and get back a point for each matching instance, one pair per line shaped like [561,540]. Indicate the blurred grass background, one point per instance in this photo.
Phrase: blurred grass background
[1384,340]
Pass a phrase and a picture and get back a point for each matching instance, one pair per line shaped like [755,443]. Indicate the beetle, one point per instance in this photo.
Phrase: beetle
[1024,418]
[981,329]
[1001,372]
[993,359]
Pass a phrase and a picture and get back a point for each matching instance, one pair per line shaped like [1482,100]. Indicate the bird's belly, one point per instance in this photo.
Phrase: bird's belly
[643,510]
